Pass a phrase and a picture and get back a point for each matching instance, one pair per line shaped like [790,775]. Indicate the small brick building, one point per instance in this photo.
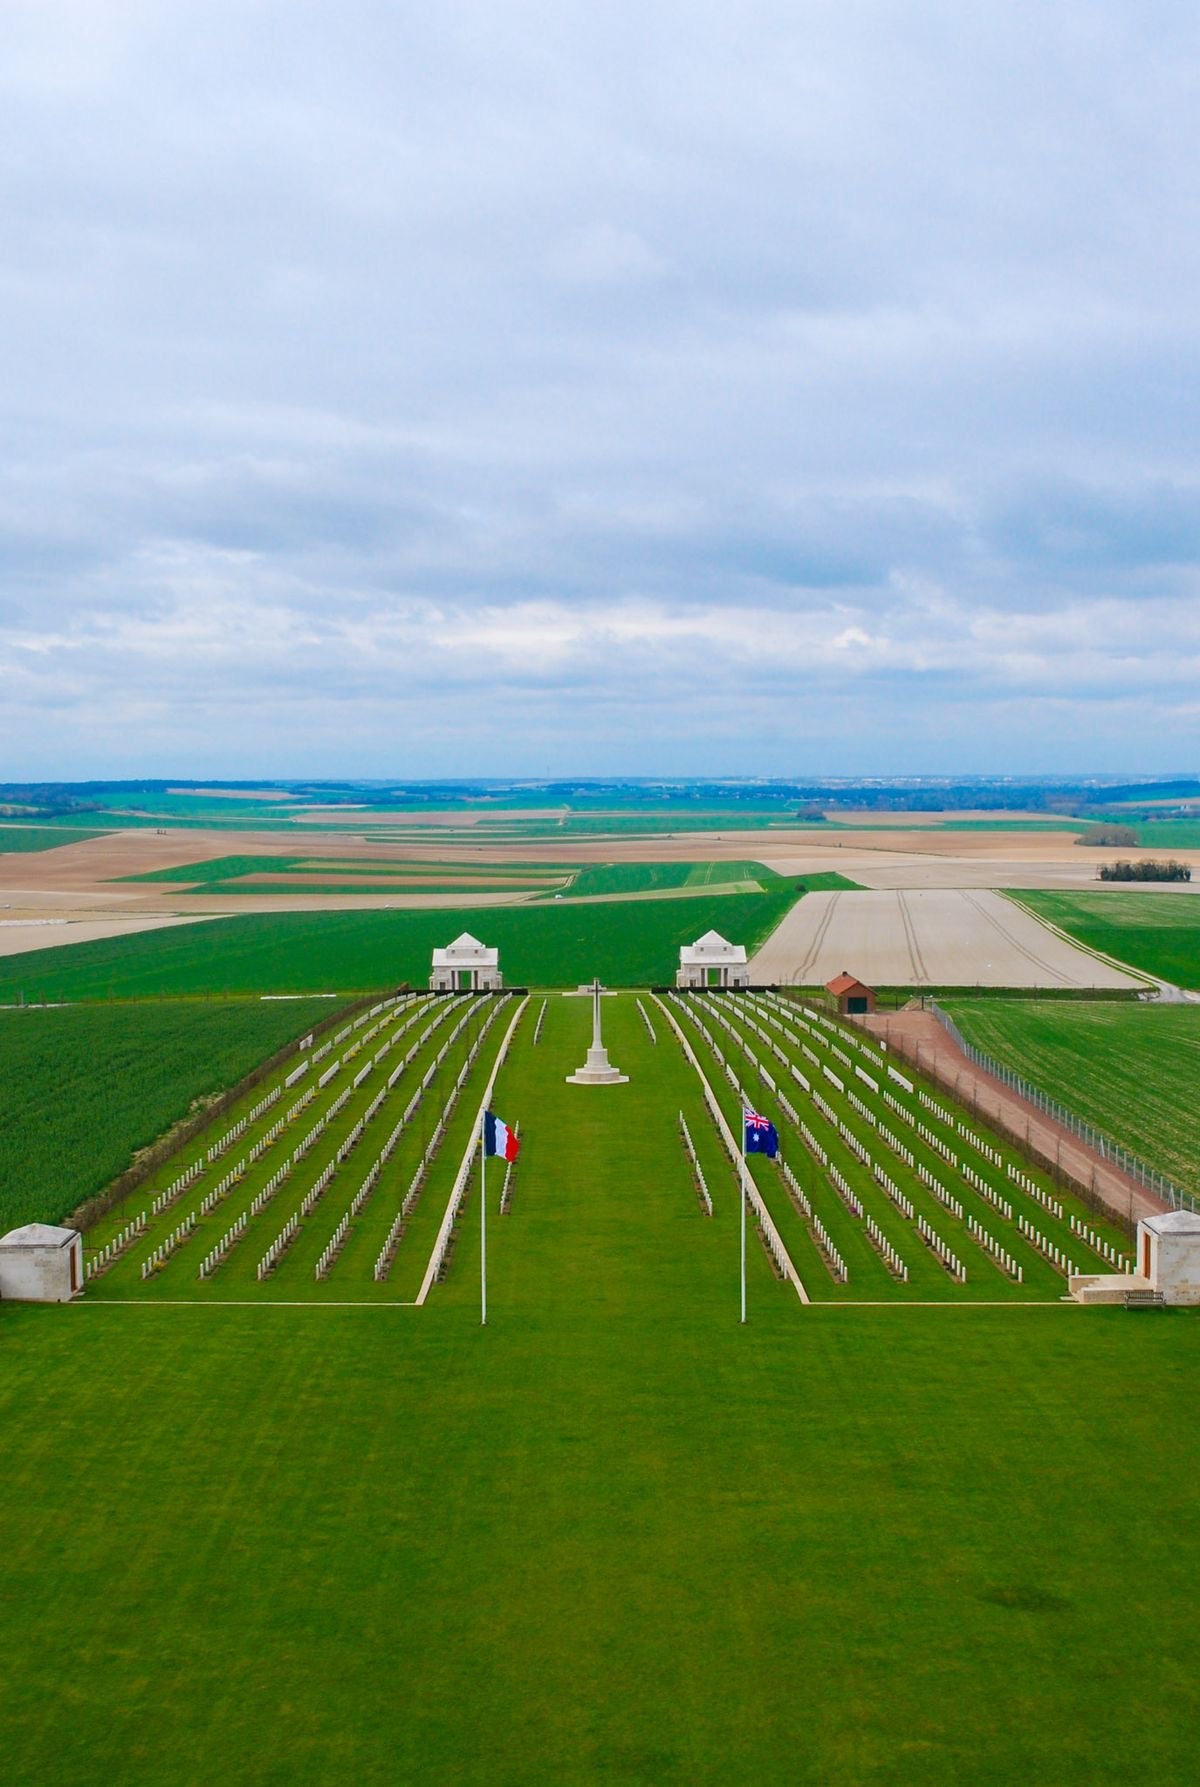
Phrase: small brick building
[853,998]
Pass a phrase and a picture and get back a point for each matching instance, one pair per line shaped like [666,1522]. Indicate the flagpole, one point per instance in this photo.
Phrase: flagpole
[482,1221]
[743,1221]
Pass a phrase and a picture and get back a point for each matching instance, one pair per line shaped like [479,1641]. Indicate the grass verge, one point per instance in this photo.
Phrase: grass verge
[1129,1069]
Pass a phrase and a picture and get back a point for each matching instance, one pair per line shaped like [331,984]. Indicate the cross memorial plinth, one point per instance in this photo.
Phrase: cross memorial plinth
[597,1070]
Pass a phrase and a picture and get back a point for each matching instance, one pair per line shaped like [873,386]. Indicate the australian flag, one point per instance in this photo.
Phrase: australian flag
[761,1136]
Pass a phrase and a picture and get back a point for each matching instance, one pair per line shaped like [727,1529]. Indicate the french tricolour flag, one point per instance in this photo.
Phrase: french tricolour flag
[499,1139]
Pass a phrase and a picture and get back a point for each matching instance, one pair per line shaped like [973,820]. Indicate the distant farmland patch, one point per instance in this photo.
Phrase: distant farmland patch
[654,877]
[21,840]
[306,874]
[827,881]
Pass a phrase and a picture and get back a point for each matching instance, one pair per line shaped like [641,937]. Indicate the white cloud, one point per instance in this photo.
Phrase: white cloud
[604,254]
[598,381]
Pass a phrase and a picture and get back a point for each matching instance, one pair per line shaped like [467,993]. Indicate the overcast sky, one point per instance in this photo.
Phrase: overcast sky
[506,388]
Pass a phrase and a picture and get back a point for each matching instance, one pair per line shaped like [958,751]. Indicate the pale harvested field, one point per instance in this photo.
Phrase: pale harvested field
[937,938]
[278,796]
[89,866]
[236,904]
[396,883]
[930,816]
[957,860]
[18,936]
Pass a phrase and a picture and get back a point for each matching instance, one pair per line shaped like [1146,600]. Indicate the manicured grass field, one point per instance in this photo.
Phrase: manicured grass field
[21,840]
[85,1087]
[1158,933]
[614,1536]
[1131,1069]
[558,944]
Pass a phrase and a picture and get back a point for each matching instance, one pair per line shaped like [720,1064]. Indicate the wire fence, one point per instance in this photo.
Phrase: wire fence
[1104,1145]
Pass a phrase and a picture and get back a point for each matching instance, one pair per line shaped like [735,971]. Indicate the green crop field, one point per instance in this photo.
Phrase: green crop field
[614,1536]
[827,881]
[654,877]
[1157,834]
[308,952]
[1168,834]
[1130,1069]
[229,875]
[1158,933]
[23,839]
[85,1087]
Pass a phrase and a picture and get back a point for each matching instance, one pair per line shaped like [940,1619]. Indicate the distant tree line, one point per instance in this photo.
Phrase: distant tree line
[1146,870]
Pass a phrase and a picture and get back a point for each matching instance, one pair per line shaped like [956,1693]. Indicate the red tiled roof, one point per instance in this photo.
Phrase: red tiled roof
[844,983]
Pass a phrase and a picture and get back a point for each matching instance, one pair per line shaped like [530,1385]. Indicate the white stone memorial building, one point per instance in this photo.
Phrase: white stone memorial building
[1168,1248]
[712,962]
[466,965]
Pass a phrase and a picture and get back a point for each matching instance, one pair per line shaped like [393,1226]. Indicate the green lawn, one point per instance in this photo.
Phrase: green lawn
[1130,1069]
[21,840]
[1158,933]
[85,1087]
[614,1536]
[558,944]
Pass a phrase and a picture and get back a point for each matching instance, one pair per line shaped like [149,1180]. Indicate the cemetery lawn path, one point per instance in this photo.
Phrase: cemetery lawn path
[612,1537]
